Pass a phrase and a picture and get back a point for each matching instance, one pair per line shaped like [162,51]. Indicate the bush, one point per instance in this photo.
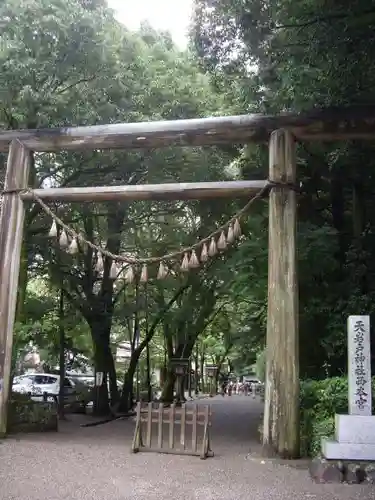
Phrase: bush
[319,402]
[26,415]
[260,365]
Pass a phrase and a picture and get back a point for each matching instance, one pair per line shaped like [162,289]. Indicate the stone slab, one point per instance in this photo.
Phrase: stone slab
[359,365]
[356,429]
[334,450]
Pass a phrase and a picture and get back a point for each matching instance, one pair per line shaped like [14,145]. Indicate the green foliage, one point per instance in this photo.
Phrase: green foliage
[275,56]
[73,63]
[261,365]
[320,401]
[25,415]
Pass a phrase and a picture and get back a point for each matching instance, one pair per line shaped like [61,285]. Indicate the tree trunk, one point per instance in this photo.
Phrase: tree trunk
[61,354]
[219,363]
[338,215]
[181,386]
[22,282]
[112,376]
[104,363]
[126,400]
[168,388]
[101,399]
[201,369]
[196,362]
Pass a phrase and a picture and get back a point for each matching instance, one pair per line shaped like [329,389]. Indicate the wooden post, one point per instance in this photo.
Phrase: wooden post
[281,413]
[11,233]
[172,410]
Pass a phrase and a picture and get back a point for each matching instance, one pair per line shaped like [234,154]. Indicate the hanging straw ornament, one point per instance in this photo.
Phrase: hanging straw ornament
[53,231]
[237,229]
[204,253]
[129,275]
[222,242]
[144,274]
[193,262]
[63,241]
[185,263]
[113,272]
[230,235]
[162,271]
[212,249]
[73,247]
[99,263]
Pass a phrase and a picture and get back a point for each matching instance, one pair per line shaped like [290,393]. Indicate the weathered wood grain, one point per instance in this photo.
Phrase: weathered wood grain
[281,414]
[11,233]
[330,124]
[171,191]
[173,417]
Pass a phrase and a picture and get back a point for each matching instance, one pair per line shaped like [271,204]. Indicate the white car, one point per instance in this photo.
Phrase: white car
[47,385]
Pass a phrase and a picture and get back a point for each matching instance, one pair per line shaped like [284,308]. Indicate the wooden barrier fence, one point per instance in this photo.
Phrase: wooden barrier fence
[197,418]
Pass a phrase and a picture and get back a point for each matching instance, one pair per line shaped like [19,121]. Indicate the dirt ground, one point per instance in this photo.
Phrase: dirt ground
[95,463]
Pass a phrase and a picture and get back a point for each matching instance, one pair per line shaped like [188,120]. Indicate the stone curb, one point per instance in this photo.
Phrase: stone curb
[340,471]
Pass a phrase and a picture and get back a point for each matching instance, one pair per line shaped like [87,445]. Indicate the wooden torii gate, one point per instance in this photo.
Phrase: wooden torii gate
[281,415]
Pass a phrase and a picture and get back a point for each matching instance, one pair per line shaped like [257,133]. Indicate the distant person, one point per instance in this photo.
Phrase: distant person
[223,388]
[230,388]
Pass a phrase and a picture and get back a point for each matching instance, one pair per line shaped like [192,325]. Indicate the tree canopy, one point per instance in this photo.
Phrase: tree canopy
[276,56]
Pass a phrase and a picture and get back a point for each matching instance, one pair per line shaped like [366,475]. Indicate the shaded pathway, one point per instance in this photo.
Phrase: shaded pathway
[95,464]
[235,424]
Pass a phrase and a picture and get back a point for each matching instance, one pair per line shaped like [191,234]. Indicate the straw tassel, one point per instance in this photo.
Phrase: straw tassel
[193,262]
[222,242]
[63,241]
[144,274]
[73,247]
[237,229]
[212,249]
[99,263]
[113,272]
[129,275]
[230,236]
[53,231]
[204,253]
[185,263]
[162,271]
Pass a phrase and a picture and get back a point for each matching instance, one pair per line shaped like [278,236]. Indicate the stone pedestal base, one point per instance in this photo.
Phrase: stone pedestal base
[356,429]
[355,439]
[334,450]
[340,471]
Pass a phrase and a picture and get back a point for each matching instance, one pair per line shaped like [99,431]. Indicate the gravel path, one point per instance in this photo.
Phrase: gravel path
[94,463]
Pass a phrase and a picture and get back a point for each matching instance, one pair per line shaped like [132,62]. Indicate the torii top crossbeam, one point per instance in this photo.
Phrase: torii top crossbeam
[329,124]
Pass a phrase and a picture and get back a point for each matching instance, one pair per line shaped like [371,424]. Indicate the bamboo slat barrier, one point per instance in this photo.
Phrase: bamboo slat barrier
[185,442]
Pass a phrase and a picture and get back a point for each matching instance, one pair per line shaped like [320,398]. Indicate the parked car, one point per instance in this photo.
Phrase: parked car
[89,382]
[76,394]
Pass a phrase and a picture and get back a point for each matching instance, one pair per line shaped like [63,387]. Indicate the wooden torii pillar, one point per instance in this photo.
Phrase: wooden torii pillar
[11,234]
[281,414]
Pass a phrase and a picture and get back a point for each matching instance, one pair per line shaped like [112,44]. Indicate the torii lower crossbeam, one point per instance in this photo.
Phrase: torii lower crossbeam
[170,191]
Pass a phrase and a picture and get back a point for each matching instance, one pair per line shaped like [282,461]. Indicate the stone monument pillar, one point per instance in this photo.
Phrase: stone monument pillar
[355,433]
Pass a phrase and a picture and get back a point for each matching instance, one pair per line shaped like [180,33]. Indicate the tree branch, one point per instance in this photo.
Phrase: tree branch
[151,331]
[82,80]
[325,19]
[77,304]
